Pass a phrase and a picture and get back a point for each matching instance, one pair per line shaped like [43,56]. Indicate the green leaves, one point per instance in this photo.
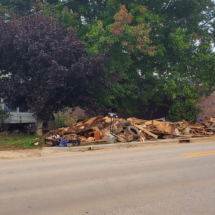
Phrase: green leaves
[162,50]
[184,110]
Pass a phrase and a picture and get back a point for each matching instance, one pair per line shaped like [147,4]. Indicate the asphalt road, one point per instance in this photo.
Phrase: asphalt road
[170,180]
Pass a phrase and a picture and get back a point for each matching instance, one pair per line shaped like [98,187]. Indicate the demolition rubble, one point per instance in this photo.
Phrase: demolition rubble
[104,129]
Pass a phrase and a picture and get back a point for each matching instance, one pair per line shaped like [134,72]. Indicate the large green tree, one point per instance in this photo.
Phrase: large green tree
[177,59]
[182,65]
[173,60]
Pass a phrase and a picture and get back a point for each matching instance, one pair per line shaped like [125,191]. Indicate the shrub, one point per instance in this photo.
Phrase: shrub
[3,117]
[184,110]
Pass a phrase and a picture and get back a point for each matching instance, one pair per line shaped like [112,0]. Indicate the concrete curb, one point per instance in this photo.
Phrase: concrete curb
[118,145]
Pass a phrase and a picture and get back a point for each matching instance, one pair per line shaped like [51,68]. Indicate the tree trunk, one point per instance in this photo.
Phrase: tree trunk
[39,130]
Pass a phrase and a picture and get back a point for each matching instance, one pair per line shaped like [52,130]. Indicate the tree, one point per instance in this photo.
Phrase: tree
[126,39]
[183,57]
[21,6]
[46,67]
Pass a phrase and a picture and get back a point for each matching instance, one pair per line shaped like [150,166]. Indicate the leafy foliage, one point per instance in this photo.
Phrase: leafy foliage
[184,110]
[181,60]
[125,38]
[45,66]
[157,61]
[3,116]
[18,6]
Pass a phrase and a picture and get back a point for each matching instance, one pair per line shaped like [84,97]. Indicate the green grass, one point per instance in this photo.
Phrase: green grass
[60,121]
[23,141]
[18,141]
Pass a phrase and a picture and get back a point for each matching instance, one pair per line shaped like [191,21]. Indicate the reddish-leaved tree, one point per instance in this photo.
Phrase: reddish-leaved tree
[45,66]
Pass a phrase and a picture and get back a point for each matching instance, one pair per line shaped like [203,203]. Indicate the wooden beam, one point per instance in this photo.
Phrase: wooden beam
[146,131]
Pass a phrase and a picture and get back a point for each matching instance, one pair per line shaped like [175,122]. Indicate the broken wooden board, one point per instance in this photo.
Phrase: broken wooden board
[90,121]
[129,137]
[206,124]
[142,137]
[164,126]
[147,123]
[211,119]
[195,126]
[176,132]
[119,138]
[42,138]
[136,121]
[95,128]
[146,131]
[106,120]
[64,129]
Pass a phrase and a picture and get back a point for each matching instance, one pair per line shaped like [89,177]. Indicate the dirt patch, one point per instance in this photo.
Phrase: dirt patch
[20,154]
[4,147]
[9,139]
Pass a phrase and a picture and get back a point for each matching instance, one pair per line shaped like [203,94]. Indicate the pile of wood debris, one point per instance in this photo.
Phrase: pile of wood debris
[100,128]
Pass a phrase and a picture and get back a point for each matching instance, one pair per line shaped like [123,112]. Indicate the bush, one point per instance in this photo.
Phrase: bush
[184,110]
[3,117]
